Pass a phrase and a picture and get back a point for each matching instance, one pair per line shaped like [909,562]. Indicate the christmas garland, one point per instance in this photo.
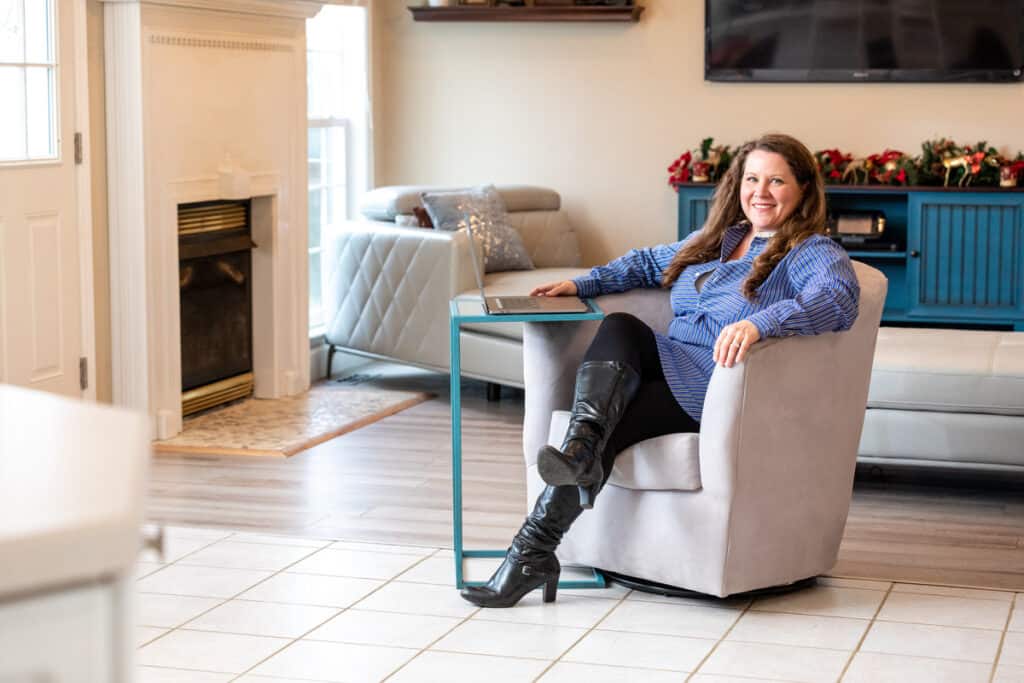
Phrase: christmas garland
[942,162]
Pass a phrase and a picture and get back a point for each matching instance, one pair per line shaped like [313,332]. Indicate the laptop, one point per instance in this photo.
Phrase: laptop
[521,305]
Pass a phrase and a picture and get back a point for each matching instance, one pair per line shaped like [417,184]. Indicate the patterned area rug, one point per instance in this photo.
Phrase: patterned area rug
[283,427]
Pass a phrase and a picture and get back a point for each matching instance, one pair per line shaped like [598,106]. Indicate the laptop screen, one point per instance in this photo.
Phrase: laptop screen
[476,262]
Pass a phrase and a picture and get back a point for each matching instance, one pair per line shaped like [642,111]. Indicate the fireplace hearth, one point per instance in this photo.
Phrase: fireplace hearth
[215,283]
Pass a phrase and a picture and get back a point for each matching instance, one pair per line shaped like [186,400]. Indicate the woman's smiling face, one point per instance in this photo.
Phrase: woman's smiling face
[769,192]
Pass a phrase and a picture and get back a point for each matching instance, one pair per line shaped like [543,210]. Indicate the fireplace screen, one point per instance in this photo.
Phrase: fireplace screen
[215,282]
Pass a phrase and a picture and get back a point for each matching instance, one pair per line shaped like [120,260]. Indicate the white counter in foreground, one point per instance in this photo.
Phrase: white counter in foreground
[72,488]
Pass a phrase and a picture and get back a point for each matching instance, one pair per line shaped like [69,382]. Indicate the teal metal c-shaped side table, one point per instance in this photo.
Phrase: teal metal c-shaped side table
[461,312]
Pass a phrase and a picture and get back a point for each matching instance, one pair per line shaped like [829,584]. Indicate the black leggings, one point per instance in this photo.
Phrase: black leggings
[654,411]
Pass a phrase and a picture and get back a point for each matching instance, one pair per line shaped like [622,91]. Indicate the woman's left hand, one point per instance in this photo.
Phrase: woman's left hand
[734,341]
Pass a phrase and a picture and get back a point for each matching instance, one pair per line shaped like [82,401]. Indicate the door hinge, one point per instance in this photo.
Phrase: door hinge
[78,149]
[83,373]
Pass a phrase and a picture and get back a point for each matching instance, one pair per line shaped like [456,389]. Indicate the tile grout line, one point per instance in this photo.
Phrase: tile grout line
[869,619]
[863,637]
[1002,638]
[214,541]
[184,668]
[478,611]
[1014,602]
[948,595]
[937,584]
[340,611]
[228,599]
[621,600]
[432,644]
[720,640]
[165,566]
[248,588]
[311,548]
[439,638]
[585,633]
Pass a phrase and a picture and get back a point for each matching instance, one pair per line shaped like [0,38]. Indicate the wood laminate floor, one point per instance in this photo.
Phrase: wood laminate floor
[390,482]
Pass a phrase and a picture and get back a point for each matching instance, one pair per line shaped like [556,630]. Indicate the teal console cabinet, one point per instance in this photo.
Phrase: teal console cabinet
[960,253]
[966,256]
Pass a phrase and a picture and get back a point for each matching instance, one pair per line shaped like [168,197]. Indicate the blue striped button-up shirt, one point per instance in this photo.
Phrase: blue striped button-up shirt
[812,290]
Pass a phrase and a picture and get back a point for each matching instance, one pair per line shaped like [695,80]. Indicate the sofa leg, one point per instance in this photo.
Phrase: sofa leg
[330,358]
[493,392]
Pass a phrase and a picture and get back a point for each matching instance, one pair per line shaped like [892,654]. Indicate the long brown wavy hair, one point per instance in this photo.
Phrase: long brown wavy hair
[726,211]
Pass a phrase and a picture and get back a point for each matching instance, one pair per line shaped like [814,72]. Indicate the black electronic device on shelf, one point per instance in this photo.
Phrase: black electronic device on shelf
[861,230]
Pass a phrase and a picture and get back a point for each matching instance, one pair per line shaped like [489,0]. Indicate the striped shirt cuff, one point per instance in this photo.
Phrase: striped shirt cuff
[587,286]
[766,324]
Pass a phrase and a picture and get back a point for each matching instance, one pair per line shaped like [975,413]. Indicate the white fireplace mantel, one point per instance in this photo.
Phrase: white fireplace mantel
[205,99]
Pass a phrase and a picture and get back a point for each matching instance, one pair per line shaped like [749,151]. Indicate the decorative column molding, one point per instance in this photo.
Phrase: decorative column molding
[126,190]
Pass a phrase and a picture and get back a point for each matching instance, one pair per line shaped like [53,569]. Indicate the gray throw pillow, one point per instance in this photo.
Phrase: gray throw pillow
[483,209]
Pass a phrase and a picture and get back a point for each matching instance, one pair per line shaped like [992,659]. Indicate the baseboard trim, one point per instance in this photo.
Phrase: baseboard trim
[343,362]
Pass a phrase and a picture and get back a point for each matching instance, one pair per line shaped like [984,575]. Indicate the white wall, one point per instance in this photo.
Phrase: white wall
[599,111]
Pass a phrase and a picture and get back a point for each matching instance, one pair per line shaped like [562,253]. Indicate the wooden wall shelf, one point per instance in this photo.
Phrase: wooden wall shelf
[568,13]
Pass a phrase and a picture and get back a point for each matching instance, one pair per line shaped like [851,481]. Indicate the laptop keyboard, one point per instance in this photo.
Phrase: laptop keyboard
[527,302]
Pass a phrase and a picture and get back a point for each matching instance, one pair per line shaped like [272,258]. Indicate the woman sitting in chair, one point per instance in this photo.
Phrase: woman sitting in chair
[760,267]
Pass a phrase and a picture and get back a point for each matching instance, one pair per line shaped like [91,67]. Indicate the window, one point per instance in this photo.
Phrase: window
[338,111]
[28,74]
[328,198]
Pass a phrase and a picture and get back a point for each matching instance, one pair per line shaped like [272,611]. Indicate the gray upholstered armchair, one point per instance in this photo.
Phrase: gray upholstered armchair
[760,497]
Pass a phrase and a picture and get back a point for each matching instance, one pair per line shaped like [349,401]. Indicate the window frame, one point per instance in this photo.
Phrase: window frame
[54,72]
[351,114]
[316,322]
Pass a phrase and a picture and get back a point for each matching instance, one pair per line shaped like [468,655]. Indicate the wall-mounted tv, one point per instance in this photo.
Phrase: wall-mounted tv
[864,40]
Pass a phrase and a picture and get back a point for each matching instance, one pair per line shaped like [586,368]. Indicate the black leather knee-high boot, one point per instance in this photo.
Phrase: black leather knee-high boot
[603,390]
[530,561]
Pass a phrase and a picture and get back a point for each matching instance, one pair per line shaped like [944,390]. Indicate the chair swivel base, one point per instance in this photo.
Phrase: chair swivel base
[645,586]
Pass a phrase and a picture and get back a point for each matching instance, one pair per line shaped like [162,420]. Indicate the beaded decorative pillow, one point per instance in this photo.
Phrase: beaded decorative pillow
[483,210]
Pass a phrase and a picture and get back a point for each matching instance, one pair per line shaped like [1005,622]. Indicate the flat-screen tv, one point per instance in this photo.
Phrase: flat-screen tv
[864,40]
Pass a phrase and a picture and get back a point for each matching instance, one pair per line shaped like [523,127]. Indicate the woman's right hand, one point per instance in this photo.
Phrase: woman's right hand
[562,288]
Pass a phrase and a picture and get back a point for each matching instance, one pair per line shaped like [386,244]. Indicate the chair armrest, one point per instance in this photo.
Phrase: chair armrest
[553,351]
[386,289]
[780,432]
[795,407]
[771,411]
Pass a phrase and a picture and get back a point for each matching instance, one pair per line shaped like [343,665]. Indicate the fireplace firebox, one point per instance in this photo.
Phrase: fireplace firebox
[215,283]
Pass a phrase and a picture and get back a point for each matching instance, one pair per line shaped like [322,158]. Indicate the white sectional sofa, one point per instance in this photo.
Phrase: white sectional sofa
[952,398]
[387,287]
[938,397]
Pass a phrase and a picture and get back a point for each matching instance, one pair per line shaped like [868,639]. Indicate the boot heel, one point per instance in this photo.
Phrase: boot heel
[550,589]
[587,495]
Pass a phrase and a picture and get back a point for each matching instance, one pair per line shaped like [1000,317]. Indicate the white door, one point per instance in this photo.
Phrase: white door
[40,299]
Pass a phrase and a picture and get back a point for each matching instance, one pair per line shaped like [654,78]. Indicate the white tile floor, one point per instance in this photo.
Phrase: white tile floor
[262,609]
